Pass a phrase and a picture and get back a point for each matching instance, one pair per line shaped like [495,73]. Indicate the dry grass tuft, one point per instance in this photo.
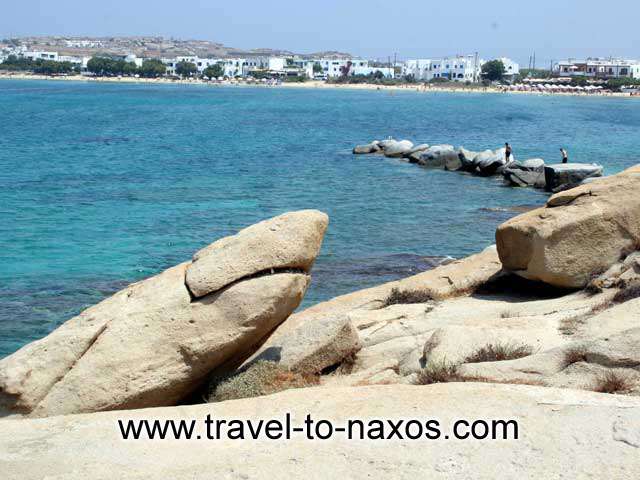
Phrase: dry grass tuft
[397,297]
[575,355]
[438,372]
[499,352]
[261,378]
[612,382]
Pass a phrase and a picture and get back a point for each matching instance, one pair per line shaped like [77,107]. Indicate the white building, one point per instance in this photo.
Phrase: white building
[467,68]
[458,69]
[597,68]
[41,55]
[511,68]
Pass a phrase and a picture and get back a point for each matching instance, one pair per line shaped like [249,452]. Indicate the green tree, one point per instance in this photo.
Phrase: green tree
[214,71]
[186,69]
[317,68]
[100,66]
[616,84]
[152,69]
[493,70]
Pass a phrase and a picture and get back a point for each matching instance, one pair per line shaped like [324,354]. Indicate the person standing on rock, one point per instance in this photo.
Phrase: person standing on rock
[507,152]
[565,155]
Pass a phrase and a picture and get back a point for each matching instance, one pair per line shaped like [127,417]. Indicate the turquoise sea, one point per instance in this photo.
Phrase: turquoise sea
[102,185]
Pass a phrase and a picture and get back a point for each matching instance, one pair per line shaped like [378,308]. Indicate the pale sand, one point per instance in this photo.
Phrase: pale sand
[311,84]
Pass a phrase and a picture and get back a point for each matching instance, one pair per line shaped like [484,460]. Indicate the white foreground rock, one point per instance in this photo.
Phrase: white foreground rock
[561,434]
[288,241]
[579,234]
[153,343]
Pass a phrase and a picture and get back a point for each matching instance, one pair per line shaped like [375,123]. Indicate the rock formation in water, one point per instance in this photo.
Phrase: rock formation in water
[528,173]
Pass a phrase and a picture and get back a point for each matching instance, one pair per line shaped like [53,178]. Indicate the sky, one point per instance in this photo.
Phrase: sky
[554,29]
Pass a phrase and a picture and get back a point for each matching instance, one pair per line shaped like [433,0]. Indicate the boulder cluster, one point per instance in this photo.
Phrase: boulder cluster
[527,173]
[542,327]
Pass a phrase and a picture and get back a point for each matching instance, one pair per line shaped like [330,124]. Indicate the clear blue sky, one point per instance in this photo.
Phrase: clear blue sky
[371,28]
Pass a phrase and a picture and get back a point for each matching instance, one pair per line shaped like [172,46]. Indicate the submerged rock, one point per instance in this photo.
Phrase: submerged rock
[372,147]
[563,176]
[578,234]
[156,341]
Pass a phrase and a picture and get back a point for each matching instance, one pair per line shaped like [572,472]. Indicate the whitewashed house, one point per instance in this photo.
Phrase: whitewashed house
[511,68]
[597,68]
[41,55]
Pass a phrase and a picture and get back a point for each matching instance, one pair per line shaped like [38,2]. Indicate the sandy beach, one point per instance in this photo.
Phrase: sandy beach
[311,84]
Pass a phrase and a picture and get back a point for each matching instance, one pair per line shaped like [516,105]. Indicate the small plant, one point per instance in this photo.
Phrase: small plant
[398,296]
[593,288]
[261,378]
[498,352]
[612,382]
[575,355]
[438,372]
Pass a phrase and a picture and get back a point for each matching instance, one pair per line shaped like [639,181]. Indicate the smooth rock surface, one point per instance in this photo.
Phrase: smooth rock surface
[414,154]
[148,345]
[288,241]
[396,149]
[529,173]
[579,234]
[439,156]
[561,434]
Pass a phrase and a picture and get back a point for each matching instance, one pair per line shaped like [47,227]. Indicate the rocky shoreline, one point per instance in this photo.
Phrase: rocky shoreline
[528,173]
[542,327]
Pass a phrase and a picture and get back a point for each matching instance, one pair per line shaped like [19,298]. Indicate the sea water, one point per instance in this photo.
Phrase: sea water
[103,184]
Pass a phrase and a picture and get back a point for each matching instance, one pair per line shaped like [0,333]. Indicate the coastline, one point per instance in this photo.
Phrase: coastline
[311,84]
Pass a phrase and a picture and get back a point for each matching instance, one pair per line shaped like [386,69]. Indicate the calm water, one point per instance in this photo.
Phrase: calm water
[102,185]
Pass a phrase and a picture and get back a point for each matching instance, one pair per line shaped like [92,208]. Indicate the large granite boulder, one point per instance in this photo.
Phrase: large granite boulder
[560,434]
[414,154]
[491,162]
[439,156]
[563,176]
[396,149]
[288,242]
[529,173]
[467,159]
[578,234]
[312,346]
[372,147]
[156,341]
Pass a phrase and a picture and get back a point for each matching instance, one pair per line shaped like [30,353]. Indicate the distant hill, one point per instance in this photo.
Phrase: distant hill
[149,47]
